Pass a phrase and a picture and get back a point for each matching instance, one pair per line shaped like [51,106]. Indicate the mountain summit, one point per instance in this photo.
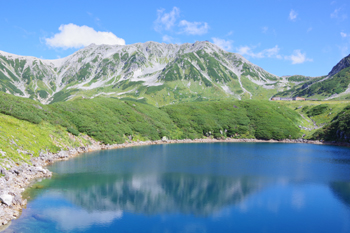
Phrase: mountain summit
[343,64]
[159,73]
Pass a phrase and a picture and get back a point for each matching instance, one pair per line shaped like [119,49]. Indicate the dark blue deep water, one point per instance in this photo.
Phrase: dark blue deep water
[217,187]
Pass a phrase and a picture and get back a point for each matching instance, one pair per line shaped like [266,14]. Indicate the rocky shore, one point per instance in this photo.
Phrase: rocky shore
[16,178]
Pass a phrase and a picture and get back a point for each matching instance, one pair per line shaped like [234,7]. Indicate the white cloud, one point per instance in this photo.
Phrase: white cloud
[293,15]
[166,21]
[82,219]
[264,29]
[309,29]
[167,39]
[193,28]
[170,40]
[336,14]
[224,44]
[298,57]
[270,53]
[229,33]
[344,35]
[74,36]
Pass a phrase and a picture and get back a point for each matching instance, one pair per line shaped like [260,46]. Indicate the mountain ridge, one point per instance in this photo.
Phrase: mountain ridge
[335,85]
[199,70]
[342,64]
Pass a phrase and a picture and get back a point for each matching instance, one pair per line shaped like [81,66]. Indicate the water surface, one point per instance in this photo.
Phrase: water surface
[214,187]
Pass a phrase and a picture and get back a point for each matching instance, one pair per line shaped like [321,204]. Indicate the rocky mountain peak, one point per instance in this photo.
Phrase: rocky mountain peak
[165,73]
[344,63]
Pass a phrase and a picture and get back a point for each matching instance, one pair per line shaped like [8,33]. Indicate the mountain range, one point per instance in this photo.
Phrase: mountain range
[156,73]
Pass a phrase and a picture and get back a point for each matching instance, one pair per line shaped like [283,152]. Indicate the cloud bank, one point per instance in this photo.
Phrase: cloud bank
[74,36]
[297,57]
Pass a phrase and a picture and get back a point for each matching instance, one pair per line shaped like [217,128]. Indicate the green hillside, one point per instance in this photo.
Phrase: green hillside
[338,129]
[318,117]
[28,127]
[333,86]
[238,119]
[31,127]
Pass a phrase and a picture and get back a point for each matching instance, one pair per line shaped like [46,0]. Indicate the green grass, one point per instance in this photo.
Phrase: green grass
[321,113]
[338,129]
[22,135]
[113,121]
[298,78]
[320,90]
[26,125]
[242,119]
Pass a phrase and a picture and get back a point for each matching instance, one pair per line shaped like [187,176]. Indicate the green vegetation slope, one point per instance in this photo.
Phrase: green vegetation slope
[30,127]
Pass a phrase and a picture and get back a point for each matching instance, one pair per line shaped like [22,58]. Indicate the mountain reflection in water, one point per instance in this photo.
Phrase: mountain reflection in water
[219,187]
[168,193]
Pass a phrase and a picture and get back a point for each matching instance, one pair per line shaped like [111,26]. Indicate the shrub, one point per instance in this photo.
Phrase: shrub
[73,131]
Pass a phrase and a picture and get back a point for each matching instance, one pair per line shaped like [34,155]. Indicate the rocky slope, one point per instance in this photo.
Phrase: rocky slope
[160,73]
[344,63]
[334,85]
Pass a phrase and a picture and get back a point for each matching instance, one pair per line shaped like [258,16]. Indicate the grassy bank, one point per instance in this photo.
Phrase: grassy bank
[27,126]
[325,118]
[19,139]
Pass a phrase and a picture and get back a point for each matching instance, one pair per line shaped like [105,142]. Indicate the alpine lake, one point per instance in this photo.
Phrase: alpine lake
[199,187]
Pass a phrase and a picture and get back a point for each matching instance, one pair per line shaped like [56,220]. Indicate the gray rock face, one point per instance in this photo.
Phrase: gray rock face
[344,63]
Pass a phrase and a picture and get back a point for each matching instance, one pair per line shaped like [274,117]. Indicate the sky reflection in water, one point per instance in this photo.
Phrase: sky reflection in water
[219,187]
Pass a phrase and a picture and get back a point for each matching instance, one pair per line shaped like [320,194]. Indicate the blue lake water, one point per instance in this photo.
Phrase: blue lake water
[213,187]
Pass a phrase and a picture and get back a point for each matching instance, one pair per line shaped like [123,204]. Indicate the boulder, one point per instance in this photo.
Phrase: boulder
[2,171]
[40,169]
[62,154]
[6,199]
[15,171]
[17,200]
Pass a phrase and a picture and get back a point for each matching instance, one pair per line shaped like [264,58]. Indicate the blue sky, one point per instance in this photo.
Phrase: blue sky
[284,37]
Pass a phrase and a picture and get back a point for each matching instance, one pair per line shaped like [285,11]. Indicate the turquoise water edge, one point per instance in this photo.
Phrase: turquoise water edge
[204,187]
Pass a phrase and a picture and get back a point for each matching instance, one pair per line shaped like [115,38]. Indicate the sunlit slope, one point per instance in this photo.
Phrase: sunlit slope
[335,85]
[323,120]
[159,73]
[28,127]
[111,120]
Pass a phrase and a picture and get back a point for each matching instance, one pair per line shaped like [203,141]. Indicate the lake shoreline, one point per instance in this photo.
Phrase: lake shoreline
[19,177]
